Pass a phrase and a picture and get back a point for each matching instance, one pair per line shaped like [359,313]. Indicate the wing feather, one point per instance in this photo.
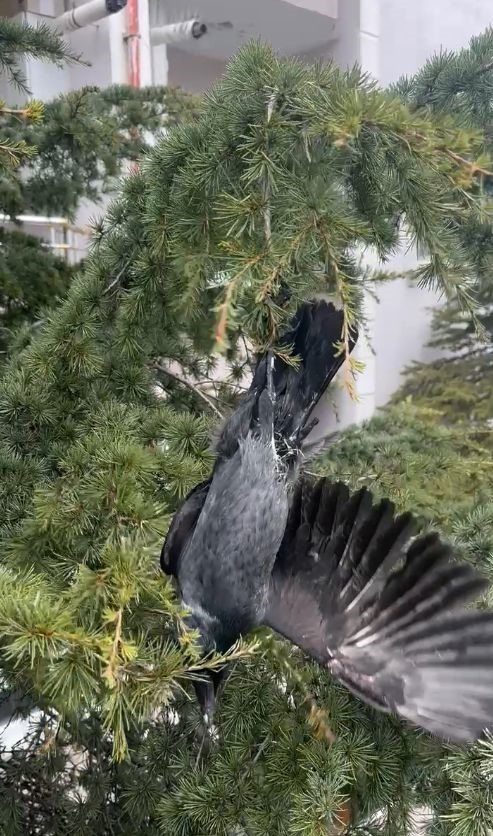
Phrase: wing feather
[385,613]
[182,527]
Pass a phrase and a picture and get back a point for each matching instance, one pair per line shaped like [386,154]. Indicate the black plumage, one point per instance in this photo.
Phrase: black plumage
[342,578]
[386,616]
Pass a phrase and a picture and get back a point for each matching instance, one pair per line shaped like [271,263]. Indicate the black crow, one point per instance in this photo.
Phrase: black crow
[342,578]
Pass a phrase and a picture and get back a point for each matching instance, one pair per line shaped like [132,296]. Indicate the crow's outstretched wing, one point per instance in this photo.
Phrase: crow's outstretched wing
[401,640]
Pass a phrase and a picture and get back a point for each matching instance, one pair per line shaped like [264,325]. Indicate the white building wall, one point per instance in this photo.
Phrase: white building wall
[410,33]
[195,73]
[391,38]
[358,42]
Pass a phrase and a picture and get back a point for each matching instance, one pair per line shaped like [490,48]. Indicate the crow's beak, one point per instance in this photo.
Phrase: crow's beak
[207,699]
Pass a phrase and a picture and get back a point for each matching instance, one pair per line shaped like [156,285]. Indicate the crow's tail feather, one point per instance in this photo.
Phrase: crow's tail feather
[314,338]
[315,335]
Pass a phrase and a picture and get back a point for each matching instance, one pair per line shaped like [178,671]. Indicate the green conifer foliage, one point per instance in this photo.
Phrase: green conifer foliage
[79,143]
[461,383]
[54,155]
[233,218]
[18,41]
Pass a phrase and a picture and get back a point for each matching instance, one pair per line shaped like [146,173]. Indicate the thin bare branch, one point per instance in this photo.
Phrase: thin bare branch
[188,383]
[118,276]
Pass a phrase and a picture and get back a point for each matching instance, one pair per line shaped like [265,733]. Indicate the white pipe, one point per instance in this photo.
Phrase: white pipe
[80,16]
[117,30]
[175,32]
[145,44]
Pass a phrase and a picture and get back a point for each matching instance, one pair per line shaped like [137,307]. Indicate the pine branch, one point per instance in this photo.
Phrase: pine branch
[114,657]
[470,165]
[22,39]
[224,308]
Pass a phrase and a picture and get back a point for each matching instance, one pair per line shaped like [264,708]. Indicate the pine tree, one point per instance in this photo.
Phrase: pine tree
[54,155]
[18,41]
[461,384]
[105,423]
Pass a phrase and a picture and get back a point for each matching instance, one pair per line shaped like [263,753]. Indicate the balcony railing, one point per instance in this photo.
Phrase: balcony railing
[59,234]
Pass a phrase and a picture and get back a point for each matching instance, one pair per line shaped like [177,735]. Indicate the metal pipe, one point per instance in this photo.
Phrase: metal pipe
[117,30]
[80,16]
[175,32]
[145,58]
[133,43]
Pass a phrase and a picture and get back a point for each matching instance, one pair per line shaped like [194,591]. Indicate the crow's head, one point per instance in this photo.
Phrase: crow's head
[208,685]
